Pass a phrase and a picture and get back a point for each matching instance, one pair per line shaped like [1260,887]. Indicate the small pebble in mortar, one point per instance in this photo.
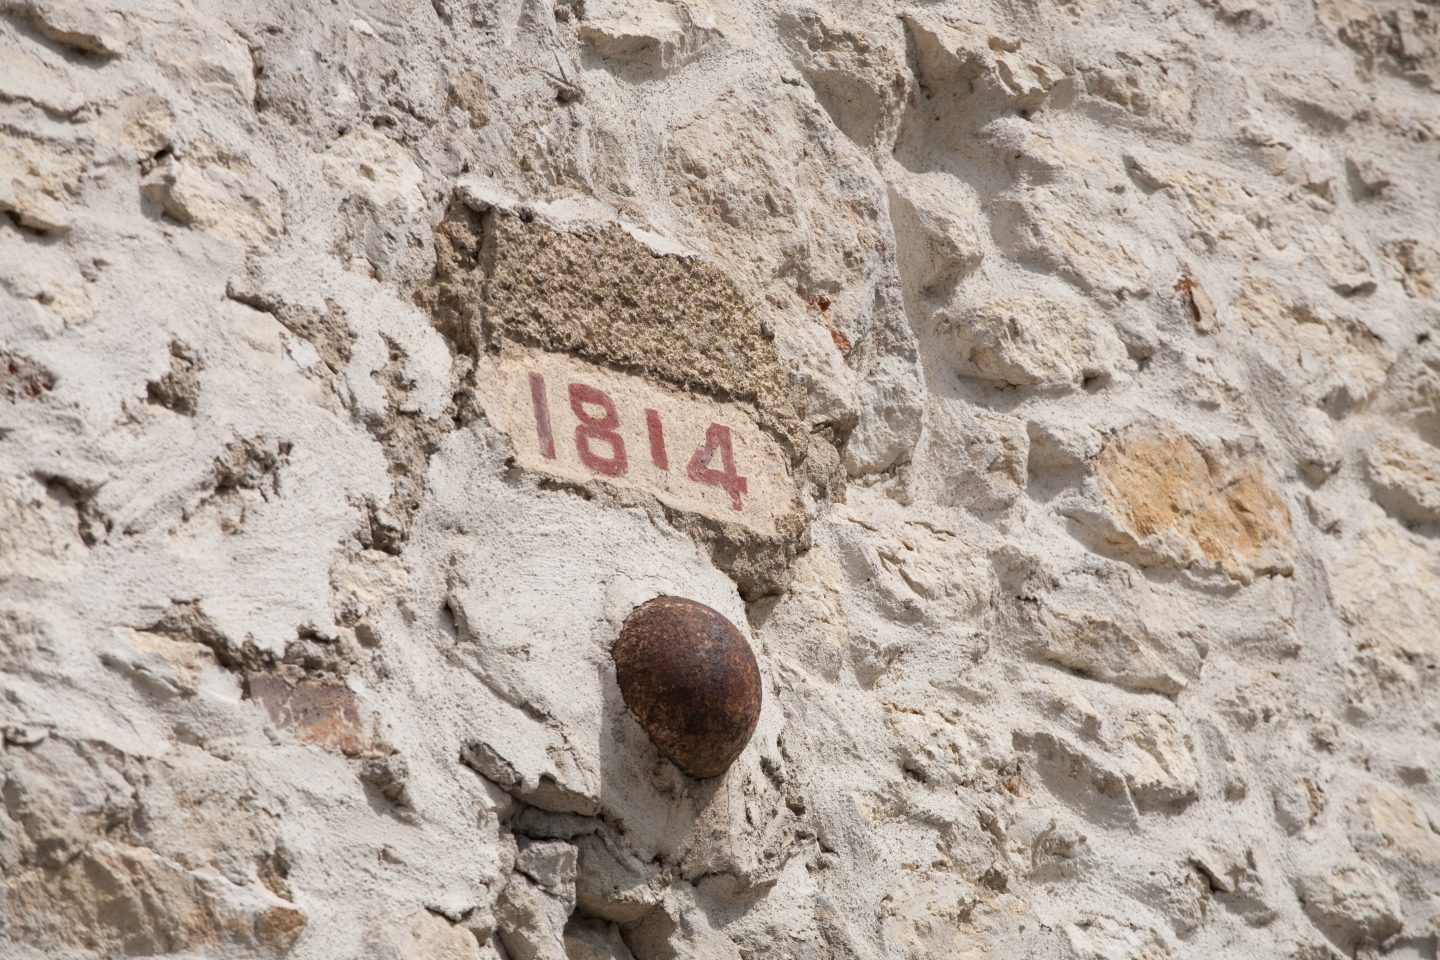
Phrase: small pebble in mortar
[689,676]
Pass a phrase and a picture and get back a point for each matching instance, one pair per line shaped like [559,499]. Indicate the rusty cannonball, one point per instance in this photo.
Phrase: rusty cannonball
[691,680]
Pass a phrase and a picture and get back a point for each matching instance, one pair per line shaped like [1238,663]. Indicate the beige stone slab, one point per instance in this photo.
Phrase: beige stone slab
[577,421]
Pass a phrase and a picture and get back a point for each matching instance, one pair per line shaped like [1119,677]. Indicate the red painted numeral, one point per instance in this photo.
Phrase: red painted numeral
[541,403]
[717,439]
[657,440]
[597,428]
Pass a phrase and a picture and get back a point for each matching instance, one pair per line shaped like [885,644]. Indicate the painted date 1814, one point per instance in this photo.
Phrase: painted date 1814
[581,421]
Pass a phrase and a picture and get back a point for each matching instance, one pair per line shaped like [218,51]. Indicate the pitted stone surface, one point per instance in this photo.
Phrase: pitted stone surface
[1081,362]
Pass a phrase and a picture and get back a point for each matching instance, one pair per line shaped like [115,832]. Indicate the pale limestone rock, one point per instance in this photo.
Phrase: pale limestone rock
[38,180]
[1318,445]
[1404,40]
[818,362]
[952,52]
[84,27]
[1119,647]
[1351,900]
[968,457]
[1041,228]
[857,75]
[1314,343]
[386,218]
[232,200]
[1298,802]
[1418,267]
[1145,84]
[532,920]
[648,34]
[1394,826]
[1387,587]
[935,230]
[1103,937]
[1159,762]
[423,936]
[1034,342]
[40,78]
[890,418]
[1404,474]
[40,534]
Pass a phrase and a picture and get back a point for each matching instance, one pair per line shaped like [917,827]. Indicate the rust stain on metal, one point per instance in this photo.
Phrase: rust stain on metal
[689,676]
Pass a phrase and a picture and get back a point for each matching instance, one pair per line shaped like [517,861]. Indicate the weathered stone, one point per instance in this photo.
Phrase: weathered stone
[592,940]
[1170,500]
[657,37]
[423,936]
[934,231]
[1034,342]
[39,531]
[89,29]
[226,196]
[1387,590]
[952,51]
[858,78]
[179,389]
[1103,937]
[1352,901]
[1159,763]
[1086,355]
[322,712]
[1393,826]
[1405,477]
[532,920]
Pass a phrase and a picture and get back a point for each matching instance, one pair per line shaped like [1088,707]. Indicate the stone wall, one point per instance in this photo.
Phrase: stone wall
[1082,359]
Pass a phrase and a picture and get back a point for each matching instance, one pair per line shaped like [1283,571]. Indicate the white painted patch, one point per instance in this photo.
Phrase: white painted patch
[577,421]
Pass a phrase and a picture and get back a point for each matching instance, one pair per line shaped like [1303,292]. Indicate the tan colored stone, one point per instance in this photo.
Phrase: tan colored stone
[280,928]
[469,93]
[1418,266]
[1173,501]
[1405,39]
[115,897]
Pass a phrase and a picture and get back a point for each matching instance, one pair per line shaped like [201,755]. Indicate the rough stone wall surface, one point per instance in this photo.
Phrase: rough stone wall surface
[1096,345]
